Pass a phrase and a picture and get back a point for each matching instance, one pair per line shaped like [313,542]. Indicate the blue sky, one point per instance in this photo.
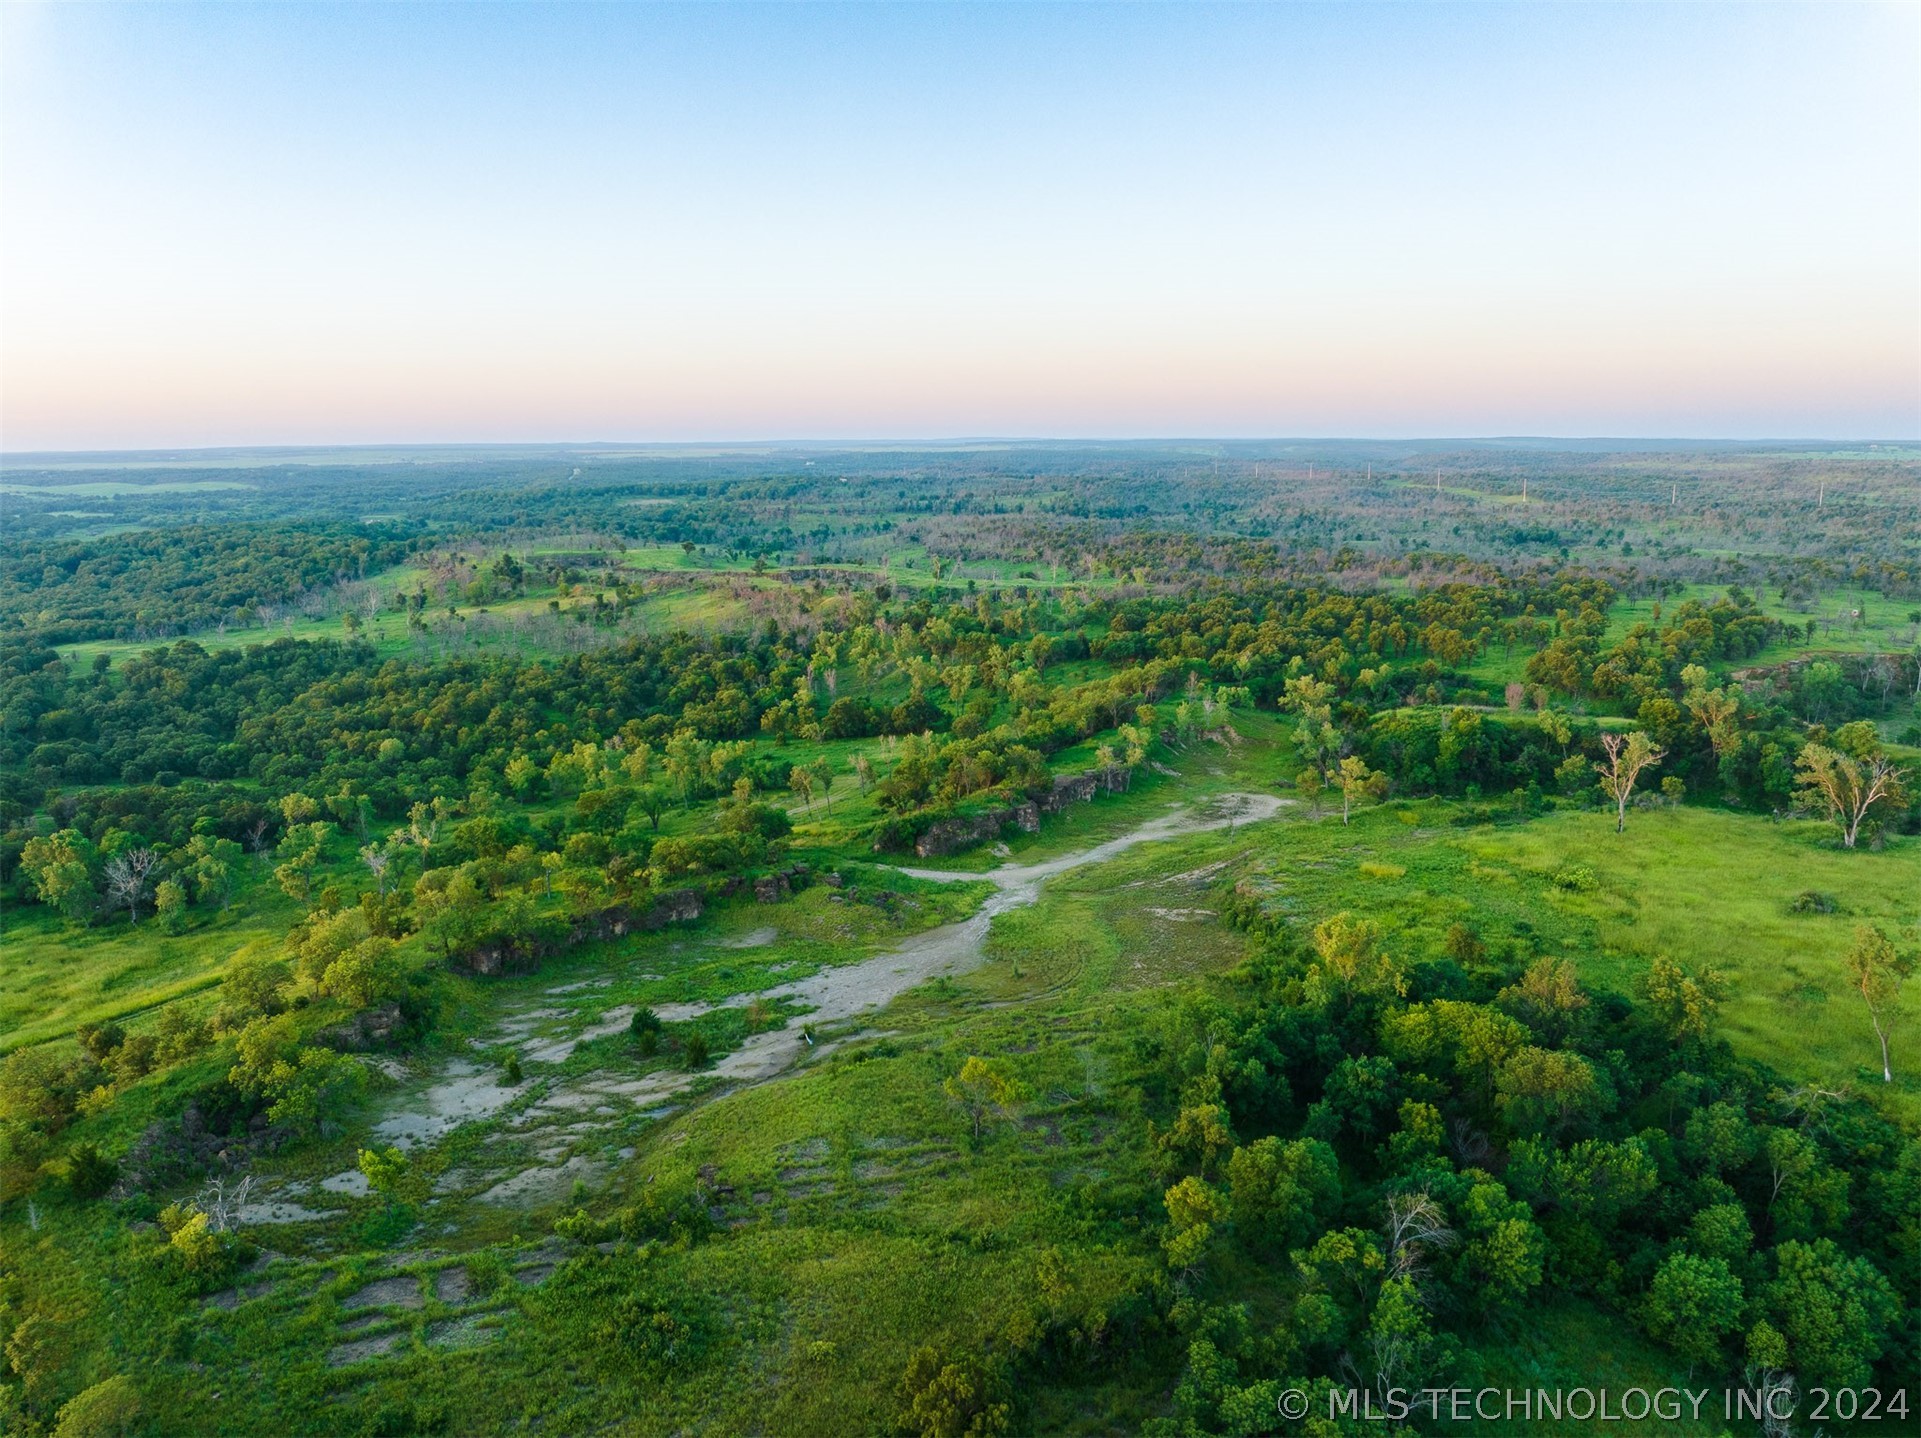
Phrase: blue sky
[230,224]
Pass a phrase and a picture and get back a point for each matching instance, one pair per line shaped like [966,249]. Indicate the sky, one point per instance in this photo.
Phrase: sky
[230,225]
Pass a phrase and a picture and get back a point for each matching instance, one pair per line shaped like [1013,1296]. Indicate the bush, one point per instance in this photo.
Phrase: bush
[694,1051]
[486,1271]
[645,1028]
[1576,879]
[1813,901]
[89,1174]
[619,1311]
[106,1410]
[950,1400]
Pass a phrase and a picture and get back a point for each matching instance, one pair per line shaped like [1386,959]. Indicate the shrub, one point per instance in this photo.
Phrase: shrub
[620,1311]
[486,1271]
[941,1399]
[89,1173]
[1813,901]
[106,1410]
[1576,879]
[645,1028]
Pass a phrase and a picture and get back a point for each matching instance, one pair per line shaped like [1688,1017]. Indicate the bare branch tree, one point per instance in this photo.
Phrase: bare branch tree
[1627,758]
[1416,1226]
[126,875]
[222,1206]
[378,861]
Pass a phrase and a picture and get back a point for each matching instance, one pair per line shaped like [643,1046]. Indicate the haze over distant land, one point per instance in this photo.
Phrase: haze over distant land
[235,225]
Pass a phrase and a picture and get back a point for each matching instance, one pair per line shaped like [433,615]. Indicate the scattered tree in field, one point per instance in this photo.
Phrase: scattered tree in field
[1847,787]
[127,874]
[1627,759]
[645,1027]
[1315,737]
[89,1173]
[652,801]
[1312,784]
[1876,971]
[1357,781]
[384,1170]
[821,771]
[254,987]
[981,1088]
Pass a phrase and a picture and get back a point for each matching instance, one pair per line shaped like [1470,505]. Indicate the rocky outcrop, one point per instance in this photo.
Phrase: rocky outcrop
[1081,788]
[951,836]
[377,1028]
[524,953]
[772,888]
[677,906]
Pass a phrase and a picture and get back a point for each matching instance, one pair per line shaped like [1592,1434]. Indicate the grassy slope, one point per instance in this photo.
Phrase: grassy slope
[53,978]
[1703,886]
[871,1224]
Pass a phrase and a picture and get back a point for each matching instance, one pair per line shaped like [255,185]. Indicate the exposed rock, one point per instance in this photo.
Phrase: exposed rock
[171,1151]
[522,955]
[771,890]
[363,1348]
[402,1291]
[680,906]
[376,1028]
[950,836]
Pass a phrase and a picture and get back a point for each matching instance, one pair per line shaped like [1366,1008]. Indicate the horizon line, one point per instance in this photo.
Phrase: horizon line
[891,442]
